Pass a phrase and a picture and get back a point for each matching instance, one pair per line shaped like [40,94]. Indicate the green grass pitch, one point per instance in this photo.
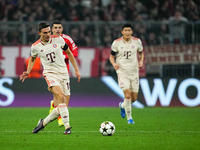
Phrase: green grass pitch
[175,128]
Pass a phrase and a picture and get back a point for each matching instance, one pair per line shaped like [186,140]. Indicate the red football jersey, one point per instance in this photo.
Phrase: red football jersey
[72,47]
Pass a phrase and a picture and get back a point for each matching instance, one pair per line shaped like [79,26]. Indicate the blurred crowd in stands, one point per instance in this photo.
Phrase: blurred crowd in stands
[173,15]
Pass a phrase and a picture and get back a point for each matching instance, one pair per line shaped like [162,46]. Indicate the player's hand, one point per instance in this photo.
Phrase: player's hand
[140,64]
[23,76]
[116,66]
[49,89]
[78,75]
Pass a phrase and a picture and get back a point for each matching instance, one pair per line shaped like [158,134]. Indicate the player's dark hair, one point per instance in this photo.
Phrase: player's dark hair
[43,25]
[127,25]
[55,22]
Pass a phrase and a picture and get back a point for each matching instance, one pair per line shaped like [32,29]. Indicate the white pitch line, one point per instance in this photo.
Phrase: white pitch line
[98,131]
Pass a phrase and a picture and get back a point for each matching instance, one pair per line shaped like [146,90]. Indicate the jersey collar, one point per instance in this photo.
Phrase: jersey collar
[45,43]
[126,41]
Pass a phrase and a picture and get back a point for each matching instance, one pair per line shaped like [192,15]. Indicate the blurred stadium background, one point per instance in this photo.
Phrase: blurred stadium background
[169,30]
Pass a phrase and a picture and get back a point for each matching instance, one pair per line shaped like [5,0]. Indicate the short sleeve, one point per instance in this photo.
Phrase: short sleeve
[34,52]
[61,41]
[71,44]
[140,47]
[114,47]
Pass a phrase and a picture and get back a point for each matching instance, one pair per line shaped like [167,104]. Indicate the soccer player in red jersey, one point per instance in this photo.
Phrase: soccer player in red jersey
[57,29]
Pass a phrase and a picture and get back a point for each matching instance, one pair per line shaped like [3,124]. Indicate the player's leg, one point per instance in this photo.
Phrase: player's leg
[54,104]
[134,96]
[66,90]
[122,110]
[59,119]
[134,87]
[43,122]
[121,81]
[127,105]
[67,97]
[62,107]
[58,99]
[124,84]
[60,122]
[51,102]
[67,128]
[51,106]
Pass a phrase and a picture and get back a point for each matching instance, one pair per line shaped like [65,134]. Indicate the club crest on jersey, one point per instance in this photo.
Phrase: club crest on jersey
[132,46]
[54,45]
[41,50]
[52,81]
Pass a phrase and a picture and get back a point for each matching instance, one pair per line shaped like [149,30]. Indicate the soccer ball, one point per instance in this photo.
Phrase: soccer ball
[107,128]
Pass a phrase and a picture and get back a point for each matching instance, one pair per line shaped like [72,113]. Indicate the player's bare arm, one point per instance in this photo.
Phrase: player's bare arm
[25,74]
[141,57]
[112,61]
[73,61]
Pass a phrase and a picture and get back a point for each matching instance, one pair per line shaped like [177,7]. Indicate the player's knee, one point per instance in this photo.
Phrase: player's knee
[133,100]
[127,94]
[128,97]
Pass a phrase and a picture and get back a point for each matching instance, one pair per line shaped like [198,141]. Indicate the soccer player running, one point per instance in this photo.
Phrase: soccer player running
[57,29]
[49,48]
[125,50]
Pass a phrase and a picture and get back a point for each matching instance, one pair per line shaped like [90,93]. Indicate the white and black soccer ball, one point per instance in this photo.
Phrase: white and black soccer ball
[107,128]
